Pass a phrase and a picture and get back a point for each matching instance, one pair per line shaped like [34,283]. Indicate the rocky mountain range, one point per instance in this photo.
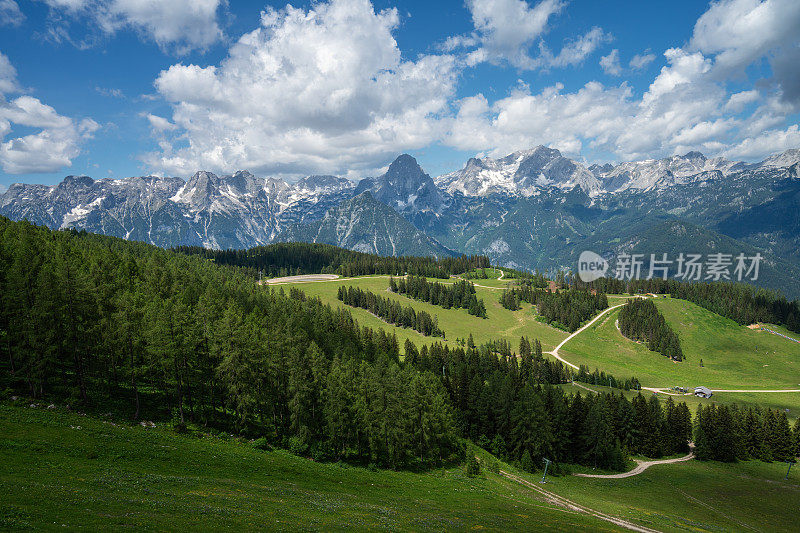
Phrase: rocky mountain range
[522,173]
[531,209]
[364,224]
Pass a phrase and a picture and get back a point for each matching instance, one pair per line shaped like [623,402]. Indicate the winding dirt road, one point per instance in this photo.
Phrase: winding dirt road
[657,390]
[555,499]
[554,353]
[486,286]
[641,466]
[304,278]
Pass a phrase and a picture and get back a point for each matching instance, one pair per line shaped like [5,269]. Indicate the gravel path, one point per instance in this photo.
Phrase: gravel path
[555,499]
[641,466]
[306,278]
[554,353]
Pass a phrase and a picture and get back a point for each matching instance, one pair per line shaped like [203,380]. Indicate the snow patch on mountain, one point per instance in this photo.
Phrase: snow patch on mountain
[784,160]
[659,173]
[522,173]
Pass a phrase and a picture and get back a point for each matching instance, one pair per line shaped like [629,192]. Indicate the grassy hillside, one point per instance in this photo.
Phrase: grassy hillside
[695,496]
[456,323]
[63,470]
[734,357]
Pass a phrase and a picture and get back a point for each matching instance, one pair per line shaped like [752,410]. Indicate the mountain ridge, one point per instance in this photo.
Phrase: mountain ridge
[531,209]
[364,224]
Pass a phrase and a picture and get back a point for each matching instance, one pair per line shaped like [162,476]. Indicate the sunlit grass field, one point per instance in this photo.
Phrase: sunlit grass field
[456,323]
[788,402]
[61,470]
[733,356]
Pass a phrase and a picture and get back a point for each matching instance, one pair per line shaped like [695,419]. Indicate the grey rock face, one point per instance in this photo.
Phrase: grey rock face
[366,225]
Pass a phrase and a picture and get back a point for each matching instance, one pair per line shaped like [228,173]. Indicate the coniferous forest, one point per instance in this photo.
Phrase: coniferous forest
[566,309]
[598,377]
[108,325]
[640,320]
[730,433]
[460,294]
[295,258]
[509,299]
[504,402]
[391,311]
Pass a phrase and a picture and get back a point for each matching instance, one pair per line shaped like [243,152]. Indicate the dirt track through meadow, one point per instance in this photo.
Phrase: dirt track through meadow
[555,499]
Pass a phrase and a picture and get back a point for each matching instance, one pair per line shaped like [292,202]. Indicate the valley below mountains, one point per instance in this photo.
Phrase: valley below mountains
[533,209]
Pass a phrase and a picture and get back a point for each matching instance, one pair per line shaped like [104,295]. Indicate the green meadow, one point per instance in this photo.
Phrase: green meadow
[695,496]
[733,356]
[62,470]
[788,401]
[456,323]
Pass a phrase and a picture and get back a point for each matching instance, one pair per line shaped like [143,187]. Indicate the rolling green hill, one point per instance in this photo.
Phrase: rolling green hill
[734,356]
[102,474]
[456,323]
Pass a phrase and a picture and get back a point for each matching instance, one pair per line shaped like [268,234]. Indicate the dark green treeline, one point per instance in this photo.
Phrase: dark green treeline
[294,258]
[741,302]
[460,294]
[566,309]
[391,311]
[640,320]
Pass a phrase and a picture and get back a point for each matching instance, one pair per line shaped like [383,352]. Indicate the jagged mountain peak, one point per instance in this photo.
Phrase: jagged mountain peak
[404,163]
[405,173]
[241,181]
[405,187]
[784,159]
[76,181]
[694,155]
[203,176]
[524,172]
[651,174]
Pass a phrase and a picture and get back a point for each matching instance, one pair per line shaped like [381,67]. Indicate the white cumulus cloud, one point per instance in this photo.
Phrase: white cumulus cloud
[610,63]
[326,89]
[10,13]
[56,143]
[573,52]
[505,30]
[684,108]
[738,33]
[8,75]
[175,25]
[323,89]
[160,123]
[640,61]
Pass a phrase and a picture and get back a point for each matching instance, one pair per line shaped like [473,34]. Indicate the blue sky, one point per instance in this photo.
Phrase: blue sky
[114,88]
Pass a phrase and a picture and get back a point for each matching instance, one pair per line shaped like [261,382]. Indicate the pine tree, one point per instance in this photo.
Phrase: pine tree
[525,462]
[796,438]
[473,466]
[702,440]
[781,440]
